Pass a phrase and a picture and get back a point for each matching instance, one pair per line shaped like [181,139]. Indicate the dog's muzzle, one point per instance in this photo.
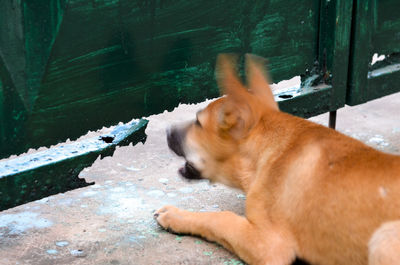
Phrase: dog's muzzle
[188,171]
[175,140]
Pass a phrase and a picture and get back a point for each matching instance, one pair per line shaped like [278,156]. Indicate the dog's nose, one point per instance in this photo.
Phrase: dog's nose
[174,140]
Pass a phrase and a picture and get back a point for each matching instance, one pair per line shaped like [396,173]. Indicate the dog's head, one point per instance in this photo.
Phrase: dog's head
[213,144]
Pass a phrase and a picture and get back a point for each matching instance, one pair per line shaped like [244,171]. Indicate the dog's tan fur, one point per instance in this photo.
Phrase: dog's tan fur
[312,192]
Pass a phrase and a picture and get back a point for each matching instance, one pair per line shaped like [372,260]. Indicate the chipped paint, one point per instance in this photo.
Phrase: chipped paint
[377,58]
[386,70]
[290,87]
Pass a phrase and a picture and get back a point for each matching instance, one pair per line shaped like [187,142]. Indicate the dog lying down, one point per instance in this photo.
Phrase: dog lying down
[311,191]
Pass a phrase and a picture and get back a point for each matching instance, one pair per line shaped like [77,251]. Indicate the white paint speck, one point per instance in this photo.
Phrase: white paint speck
[121,206]
[43,201]
[163,180]
[78,253]
[117,189]
[396,130]
[378,140]
[89,193]
[382,192]
[241,196]
[155,193]
[135,169]
[62,243]
[186,190]
[171,194]
[52,251]
[376,58]
[20,222]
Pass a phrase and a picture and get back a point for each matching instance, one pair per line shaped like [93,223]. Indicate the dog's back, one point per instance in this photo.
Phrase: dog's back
[336,192]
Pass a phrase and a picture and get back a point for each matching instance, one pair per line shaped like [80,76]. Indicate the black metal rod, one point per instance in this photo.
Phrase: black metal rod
[332,119]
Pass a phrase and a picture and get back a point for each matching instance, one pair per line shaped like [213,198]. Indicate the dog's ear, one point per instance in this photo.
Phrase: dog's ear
[257,80]
[235,119]
[239,112]
[227,77]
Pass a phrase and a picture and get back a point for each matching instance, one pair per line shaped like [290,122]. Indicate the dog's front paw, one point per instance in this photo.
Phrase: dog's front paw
[171,218]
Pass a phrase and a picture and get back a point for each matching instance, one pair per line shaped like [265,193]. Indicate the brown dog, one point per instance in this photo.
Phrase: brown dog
[311,192]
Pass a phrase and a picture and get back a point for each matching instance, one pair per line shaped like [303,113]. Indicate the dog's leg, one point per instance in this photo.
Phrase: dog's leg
[384,245]
[254,244]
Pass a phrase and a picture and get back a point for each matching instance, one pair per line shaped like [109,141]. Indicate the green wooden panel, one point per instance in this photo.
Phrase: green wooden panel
[334,48]
[12,46]
[384,81]
[41,21]
[87,64]
[376,29]
[387,27]
[12,115]
[94,63]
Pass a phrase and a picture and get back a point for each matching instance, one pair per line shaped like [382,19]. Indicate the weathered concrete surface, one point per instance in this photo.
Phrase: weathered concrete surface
[112,221]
